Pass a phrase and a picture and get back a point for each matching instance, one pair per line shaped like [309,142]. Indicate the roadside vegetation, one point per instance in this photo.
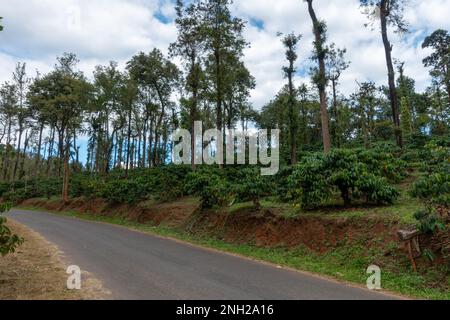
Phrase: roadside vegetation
[369,163]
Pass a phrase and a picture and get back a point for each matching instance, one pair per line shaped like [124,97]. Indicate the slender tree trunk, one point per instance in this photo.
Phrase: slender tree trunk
[38,156]
[7,150]
[144,143]
[18,153]
[65,191]
[50,150]
[150,144]
[391,74]
[219,92]
[23,157]
[322,81]
[337,133]
[138,158]
[60,150]
[120,151]
[128,143]
[158,127]
[292,118]
[76,148]
[193,112]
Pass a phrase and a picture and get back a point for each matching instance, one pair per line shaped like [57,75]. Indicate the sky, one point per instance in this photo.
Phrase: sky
[98,31]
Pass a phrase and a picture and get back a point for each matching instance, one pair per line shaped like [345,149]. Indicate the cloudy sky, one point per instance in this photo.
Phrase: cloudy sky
[36,31]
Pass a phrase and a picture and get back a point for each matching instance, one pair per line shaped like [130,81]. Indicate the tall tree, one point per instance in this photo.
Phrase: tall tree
[22,111]
[223,39]
[389,13]
[189,46]
[8,103]
[290,42]
[106,113]
[336,64]
[159,77]
[65,92]
[239,82]
[439,60]
[365,101]
[320,76]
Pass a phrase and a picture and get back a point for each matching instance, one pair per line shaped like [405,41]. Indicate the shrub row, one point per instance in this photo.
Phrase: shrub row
[353,174]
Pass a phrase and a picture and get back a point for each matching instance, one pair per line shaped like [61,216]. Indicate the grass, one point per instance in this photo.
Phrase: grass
[402,210]
[346,263]
[37,271]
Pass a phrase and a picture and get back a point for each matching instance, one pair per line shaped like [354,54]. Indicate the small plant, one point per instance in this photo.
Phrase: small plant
[124,191]
[252,187]
[354,174]
[8,241]
[309,184]
[212,188]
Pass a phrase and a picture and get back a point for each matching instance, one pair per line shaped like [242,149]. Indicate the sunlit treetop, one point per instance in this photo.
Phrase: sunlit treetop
[392,9]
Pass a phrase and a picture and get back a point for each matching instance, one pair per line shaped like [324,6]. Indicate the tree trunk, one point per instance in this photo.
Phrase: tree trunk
[336,132]
[150,144]
[193,112]
[322,81]
[128,143]
[7,148]
[292,121]
[218,93]
[38,156]
[391,74]
[24,155]
[16,163]
[144,143]
[50,150]
[65,191]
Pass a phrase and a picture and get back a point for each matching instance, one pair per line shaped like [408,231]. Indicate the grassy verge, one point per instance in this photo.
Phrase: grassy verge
[37,271]
[346,263]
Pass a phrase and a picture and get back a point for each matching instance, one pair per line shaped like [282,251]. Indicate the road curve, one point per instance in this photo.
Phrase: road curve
[134,265]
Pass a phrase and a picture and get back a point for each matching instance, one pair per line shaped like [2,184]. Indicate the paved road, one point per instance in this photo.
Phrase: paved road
[134,265]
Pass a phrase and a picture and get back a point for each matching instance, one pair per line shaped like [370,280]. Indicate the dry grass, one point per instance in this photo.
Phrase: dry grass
[37,272]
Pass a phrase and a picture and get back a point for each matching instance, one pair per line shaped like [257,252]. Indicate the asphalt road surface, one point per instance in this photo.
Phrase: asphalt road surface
[134,265]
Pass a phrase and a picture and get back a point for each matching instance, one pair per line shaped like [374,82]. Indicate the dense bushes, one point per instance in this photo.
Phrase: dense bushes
[355,175]
[8,241]
[252,186]
[211,187]
[433,188]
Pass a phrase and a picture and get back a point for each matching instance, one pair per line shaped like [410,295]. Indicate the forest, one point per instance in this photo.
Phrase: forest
[336,151]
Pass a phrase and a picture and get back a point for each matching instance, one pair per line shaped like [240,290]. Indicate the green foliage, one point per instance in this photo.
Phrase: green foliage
[8,241]
[48,187]
[18,195]
[280,182]
[354,174]
[406,120]
[375,189]
[309,183]
[433,188]
[252,186]
[213,189]
[430,221]
[4,187]
[124,191]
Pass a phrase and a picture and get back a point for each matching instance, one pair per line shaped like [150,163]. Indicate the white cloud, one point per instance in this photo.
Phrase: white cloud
[36,31]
